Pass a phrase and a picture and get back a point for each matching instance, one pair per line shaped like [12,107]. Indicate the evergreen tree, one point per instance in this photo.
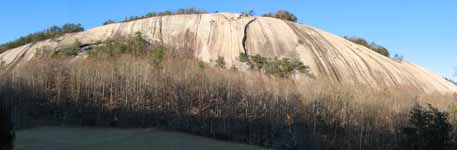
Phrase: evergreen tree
[109,22]
[71,27]
[138,44]
[428,129]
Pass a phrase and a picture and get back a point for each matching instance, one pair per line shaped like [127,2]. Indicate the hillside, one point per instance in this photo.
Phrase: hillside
[209,36]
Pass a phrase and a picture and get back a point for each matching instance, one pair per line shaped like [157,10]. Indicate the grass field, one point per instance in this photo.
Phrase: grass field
[59,138]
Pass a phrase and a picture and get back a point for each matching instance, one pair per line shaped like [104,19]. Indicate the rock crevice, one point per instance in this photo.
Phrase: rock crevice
[245,35]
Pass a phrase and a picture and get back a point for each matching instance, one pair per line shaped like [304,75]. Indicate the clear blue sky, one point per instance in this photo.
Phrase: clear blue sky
[423,31]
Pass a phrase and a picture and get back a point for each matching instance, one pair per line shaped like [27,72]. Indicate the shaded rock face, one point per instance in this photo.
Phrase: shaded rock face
[208,36]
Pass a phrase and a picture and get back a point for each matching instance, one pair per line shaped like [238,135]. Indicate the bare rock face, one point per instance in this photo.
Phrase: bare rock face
[209,36]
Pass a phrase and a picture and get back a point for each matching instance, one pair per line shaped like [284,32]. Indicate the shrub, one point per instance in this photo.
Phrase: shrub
[452,81]
[109,48]
[139,44]
[189,11]
[243,57]
[257,62]
[71,28]
[282,14]
[134,45]
[373,46]
[398,58]
[282,68]
[379,49]
[109,22]
[248,13]
[158,55]
[73,49]
[6,131]
[201,64]
[220,62]
[427,129]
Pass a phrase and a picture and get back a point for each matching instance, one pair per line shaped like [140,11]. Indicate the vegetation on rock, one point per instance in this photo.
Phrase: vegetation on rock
[282,14]
[282,68]
[72,49]
[109,22]
[158,55]
[135,45]
[373,46]
[452,81]
[248,13]
[50,33]
[398,58]
[167,13]
[220,62]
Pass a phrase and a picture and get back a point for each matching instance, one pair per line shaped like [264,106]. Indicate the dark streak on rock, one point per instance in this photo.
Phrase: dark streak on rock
[245,35]
[17,59]
[160,31]
[309,41]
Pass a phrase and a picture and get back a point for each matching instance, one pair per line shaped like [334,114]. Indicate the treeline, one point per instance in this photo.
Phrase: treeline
[280,14]
[161,13]
[373,46]
[51,32]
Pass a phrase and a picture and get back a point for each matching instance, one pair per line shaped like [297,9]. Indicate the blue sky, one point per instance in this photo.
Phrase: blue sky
[423,31]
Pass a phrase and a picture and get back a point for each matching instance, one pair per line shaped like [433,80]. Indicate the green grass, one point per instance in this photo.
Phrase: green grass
[58,138]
